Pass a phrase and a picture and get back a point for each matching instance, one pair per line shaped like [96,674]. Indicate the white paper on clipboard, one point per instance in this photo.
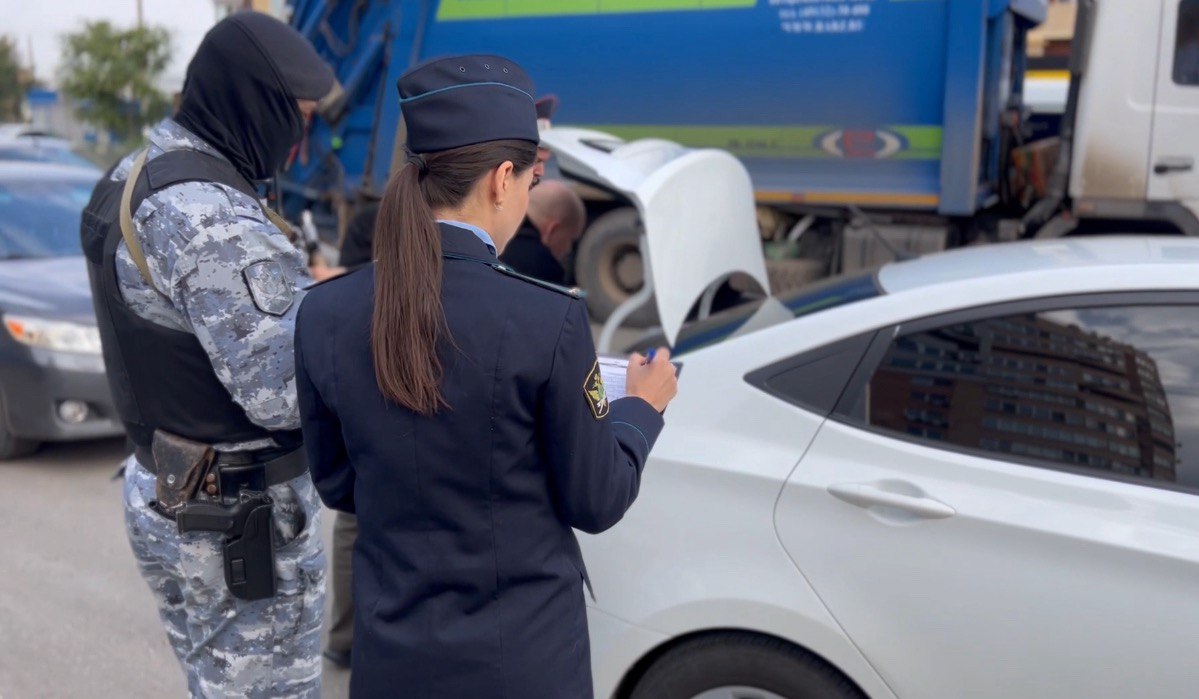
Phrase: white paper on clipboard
[614,371]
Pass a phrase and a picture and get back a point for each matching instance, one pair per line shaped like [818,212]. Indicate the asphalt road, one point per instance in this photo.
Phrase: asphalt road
[76,620]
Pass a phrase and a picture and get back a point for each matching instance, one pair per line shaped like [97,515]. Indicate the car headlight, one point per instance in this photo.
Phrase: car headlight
[60,335]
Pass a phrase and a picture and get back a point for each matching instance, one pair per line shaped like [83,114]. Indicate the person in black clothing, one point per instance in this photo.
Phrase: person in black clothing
[356,247]
[555,221]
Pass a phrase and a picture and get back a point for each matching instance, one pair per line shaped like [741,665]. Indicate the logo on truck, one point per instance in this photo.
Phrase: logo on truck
[861,144]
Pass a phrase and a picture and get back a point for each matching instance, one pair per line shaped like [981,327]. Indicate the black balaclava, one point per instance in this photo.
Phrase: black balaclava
[241,90]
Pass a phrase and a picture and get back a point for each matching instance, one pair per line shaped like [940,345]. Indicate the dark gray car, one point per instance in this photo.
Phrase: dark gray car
[52,383]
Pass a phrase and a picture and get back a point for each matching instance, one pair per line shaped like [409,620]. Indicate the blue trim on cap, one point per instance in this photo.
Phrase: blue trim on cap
[405,100]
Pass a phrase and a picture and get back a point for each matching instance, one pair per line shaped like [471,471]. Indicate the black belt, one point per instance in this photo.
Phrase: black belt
[246,466]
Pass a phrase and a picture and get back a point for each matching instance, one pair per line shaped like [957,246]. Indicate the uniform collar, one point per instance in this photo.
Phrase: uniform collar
[455,239]
[481,234]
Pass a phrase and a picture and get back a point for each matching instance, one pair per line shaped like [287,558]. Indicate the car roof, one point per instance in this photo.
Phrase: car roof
[25,171]
[37,151]
[21,130]
[1063,255]
[31,141]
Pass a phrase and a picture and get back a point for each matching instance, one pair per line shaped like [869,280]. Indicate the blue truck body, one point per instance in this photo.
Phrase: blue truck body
[892,104]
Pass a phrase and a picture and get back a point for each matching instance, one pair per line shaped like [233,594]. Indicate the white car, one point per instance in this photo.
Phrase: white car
[970,475]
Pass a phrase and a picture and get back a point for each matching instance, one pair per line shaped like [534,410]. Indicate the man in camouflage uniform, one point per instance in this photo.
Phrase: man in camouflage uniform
[220,270]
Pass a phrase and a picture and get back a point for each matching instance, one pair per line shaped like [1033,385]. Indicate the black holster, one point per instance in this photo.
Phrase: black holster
[249,546]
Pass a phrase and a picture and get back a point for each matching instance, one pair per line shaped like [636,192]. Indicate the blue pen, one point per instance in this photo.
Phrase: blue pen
[650,357]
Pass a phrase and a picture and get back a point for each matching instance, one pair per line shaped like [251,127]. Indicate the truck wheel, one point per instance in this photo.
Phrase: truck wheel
[742,666]
[608,266]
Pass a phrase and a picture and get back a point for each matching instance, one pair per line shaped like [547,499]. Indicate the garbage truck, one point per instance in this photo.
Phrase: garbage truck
[871,129]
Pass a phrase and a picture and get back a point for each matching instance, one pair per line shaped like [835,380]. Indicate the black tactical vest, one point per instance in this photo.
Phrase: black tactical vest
[160,378]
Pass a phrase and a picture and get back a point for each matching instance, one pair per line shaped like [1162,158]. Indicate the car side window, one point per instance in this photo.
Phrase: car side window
[1186,44]
[815,379]
[1114,390]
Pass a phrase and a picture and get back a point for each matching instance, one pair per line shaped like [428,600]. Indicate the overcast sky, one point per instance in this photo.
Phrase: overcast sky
[42,22]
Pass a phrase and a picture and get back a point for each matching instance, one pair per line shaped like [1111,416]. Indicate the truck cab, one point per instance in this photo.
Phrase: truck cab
[1136,141]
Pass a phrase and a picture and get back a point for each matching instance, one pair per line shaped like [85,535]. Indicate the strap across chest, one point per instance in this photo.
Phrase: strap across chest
[174,167]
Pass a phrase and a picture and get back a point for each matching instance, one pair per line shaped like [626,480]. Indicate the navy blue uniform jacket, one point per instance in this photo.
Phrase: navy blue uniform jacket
[468,581]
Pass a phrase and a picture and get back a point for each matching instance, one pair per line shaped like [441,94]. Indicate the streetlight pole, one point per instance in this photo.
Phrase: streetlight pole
[139,14]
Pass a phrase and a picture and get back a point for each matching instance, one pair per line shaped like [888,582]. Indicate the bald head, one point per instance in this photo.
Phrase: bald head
[559,214]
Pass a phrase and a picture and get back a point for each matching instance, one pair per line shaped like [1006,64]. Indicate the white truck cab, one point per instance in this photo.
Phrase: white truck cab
[1136,131]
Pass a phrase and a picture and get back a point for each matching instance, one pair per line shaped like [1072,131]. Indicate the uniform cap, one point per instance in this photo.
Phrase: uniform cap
[463,100]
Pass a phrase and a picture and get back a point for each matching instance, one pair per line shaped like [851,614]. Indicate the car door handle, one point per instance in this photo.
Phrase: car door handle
[870,495]
[1177,164]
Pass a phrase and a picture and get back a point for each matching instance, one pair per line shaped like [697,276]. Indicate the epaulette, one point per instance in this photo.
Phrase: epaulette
[504,269]
[573,292]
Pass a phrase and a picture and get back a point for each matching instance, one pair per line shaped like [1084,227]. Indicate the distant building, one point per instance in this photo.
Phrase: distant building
[1028,386]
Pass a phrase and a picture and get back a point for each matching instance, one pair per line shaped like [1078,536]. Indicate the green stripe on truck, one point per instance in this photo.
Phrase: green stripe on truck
[800,142]
[452,10]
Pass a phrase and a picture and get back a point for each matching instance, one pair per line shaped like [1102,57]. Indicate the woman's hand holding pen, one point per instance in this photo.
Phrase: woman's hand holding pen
[652,378]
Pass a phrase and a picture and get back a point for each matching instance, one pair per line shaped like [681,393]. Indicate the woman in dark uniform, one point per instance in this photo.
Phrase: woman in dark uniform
[457,408]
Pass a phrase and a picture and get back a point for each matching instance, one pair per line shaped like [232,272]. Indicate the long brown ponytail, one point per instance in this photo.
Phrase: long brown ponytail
[408,324]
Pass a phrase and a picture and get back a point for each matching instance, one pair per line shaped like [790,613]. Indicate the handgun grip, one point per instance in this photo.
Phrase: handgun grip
[204,517]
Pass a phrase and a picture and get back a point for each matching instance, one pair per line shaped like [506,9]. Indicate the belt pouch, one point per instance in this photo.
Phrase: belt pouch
[181,465]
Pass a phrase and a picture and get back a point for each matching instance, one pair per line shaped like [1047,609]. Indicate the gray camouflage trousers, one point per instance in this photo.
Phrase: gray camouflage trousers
[230,647]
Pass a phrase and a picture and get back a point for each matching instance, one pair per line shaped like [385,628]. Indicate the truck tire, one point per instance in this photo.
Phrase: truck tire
[608,266]
[734,665]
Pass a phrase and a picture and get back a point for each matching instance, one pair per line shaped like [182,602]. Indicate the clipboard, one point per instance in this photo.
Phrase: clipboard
[614,371]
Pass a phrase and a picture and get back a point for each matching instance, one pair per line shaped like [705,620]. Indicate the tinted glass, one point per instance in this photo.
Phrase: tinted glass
[815,379]
[1110,389]
[40,218]
[1186,45]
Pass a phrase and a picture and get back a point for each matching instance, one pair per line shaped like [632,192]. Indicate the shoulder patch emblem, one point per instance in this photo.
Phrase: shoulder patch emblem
[268,287]
[595,393]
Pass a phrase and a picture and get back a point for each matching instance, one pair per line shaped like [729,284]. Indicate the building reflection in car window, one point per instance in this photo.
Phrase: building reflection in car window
[1110,389]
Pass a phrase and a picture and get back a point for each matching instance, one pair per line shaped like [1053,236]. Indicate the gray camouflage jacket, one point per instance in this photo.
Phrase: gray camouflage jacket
[199,239]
